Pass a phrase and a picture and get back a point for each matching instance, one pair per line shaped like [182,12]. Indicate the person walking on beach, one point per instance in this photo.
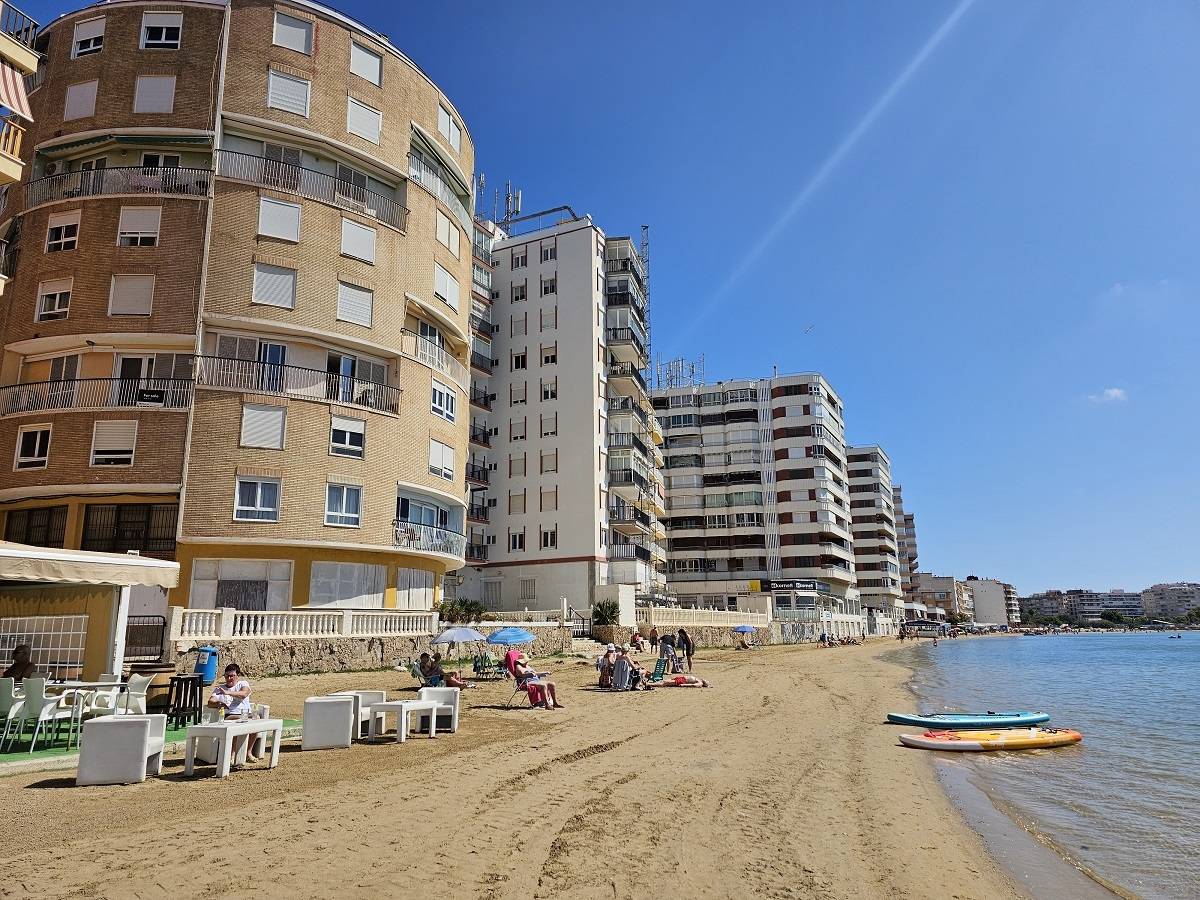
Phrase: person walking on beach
[665,642]
[686,647]
[654,640]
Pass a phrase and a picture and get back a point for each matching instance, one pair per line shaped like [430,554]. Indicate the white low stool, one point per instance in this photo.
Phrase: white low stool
[121,749]
[329,722]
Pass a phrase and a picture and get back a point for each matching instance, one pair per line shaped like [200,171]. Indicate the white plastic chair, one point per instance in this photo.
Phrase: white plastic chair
[8,695]
[104,701]
[39,709]
[329,722]
[362,705]
[121,749]
[134,701]
[448,698]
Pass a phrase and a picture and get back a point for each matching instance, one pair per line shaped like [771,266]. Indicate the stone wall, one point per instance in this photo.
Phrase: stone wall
[293,656]
[702,635]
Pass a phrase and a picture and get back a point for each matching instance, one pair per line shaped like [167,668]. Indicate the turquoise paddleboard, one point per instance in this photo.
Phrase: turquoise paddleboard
[971,720]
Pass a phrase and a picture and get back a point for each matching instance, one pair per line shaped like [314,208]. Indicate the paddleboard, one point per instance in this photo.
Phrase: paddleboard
[938,721]
[1014,739]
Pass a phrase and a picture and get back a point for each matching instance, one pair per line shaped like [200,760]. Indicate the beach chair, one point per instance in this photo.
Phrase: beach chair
[520,685]
[676,663]
[414,669]
[659,673]
[487,666]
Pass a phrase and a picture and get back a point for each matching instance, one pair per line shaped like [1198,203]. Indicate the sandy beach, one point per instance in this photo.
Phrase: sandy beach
[778,782]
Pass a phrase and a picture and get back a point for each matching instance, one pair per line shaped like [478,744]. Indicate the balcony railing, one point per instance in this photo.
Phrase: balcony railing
[627,298]
[483,254]
[482,324]
[224,373]
[627,336]
[482,399]
[478,512]
[430,354]
[17,25]
[628,551]
[476,553]
[97,393]
[10,139]
[313,185]
[230,624]
[428,177]
[628,515]
[625,439]
[478,473]
[627,370]
[626,477]
[139,180]
[621,264]
[481,436]
[427,538]
[481,362]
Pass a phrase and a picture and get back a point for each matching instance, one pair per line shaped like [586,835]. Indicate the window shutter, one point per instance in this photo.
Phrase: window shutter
[351,426]
[287,93]
[279,219]
[355,304]
[154,94]
[443,227]
[58,220]
[445,286]
[81,101]
[64,368]
[366,63]
[274,286]
[132,295]
[372,371]
[93,28]
[162,20]
[293,33]
[139,220]
[263,425]
[230,346]
[113,436]
[358,240]
[363,120]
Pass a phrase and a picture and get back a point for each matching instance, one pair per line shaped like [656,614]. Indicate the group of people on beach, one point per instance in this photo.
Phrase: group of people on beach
[619,670]
[829,640]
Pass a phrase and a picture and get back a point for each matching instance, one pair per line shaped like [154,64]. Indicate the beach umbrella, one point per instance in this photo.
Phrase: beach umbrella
[458,636]
[509,636]
[744,629]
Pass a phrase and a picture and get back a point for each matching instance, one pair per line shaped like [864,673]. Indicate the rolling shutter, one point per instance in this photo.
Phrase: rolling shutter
[445,286]
[366,63]
[293,33]
[279,219]
[287,93]
[355,304]
[274,286]
[363,120]
[154,94]
[113,441]
[92,28]
[139,220]
[263,426]
[372,371]
[358,240]
[162,20]
[81,101]
[132,295]
[230,346]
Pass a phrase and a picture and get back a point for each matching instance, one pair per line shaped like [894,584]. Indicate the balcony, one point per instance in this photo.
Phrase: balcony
[624,264]
[149,181]
[628,484]
[481,363]
[479,475]
[477,512]
[430,354]
[629,551]
[427,539]
[11,166]
[624,376]
[629,300]
[621,440]
[625,405]
[310,184]
[426,175]
[629,519]
[19,33]
[96,393]
[222,373]
[481,280]
[482,399]
[481,436]
[483,254]
[476,553]
[627,345]
[482,325]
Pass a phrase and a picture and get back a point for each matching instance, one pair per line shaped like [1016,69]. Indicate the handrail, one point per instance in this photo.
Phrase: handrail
[628,551]
[224,373]
[626,405]
[148,180]
[481,398]
[17,25]
[481,436]
[96,393]
[427,176]
[478,512]
[311,184]
[481,362]
[10,140]
[476,472]
[427,538]
[627,335]
[617,264]
[476,552]
[430,354]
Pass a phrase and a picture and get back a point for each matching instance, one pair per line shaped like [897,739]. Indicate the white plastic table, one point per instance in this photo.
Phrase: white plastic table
[224,733]
[401,708]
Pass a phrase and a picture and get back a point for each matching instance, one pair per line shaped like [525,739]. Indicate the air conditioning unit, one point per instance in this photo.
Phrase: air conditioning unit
[51,168]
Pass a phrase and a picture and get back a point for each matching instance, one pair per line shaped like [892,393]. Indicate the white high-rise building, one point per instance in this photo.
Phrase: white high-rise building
[995,601]
[876,562]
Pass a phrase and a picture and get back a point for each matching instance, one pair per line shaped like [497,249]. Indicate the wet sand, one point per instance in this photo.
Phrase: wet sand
[778,782]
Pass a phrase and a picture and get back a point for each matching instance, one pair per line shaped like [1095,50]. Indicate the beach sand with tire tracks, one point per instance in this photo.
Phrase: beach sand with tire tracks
[778,782]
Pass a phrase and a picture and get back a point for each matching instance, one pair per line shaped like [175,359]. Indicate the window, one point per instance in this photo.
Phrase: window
[347,437]
[449,128]
[89,37]
[528,585]
[516,429]
[550,500]
[54,299]
[549,538]
[139,226]
[364,121]
[113,442]
[343,505]
[414,588]
[154,94]
[355,304]
[549,253]
[295,34]
[445,287]
[550,461]
[447,233]
[421,512]
[550,389]
[33,447]
[161,31]
[160,161]
[516,541]
[81,101]
[131,295]
[550,285]
[121,527]
[520,292]
[358,240]
[549,425]
[44,527]
[366,64]
[550,355]
[520,258]
[347,585]
[62,231]
[443,401]
[263,426]
[278,219]
[519,361]
[288,93]
[274,286]
[257,500]
[441,459]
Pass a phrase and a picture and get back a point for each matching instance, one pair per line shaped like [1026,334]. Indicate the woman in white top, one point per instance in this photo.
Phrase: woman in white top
[234,698]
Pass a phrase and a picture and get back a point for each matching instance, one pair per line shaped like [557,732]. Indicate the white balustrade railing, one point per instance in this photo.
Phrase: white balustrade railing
[227,624]
[525,615]
[666,615]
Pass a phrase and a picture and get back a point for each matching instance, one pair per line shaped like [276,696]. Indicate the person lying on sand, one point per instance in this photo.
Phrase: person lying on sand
[686,681]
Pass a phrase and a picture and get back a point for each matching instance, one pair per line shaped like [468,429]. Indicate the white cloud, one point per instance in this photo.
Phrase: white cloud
[1109,395]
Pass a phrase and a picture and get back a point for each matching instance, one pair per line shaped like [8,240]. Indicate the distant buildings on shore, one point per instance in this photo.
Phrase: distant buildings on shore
[1171,600]
[1083,605]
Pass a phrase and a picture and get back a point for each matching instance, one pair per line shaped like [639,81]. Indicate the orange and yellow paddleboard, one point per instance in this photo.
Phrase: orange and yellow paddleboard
[1006,739]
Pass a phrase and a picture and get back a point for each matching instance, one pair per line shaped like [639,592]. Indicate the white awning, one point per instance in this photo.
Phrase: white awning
[20,562]
[12,91]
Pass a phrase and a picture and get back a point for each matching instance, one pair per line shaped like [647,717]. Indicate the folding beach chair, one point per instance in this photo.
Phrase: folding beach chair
[660,671]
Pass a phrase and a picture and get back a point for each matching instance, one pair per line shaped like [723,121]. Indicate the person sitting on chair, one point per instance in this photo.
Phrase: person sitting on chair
[431,673]
[22,666]
[605,665]
[233,698]
[526,676]
[450,679]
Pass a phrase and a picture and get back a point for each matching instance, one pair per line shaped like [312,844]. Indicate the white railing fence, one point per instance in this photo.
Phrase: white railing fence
[230,624]
[665,615]
[524,615]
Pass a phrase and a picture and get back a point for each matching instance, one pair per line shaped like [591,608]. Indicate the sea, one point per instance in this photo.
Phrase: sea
[1125,803]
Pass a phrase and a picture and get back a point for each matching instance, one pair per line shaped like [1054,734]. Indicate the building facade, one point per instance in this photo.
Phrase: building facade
[876,554]
[995,601]
[237,332]
[565,445]
[906,550]
[19,62]
[1171,600]
[944,597]
[1082,605]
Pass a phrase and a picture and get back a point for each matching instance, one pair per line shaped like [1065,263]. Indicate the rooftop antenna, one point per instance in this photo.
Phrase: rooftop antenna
[512,205]
[679,373]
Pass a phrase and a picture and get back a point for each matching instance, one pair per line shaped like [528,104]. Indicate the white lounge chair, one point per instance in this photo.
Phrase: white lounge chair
[121,749]
[449,699]
[362,706]
[38,709]
[329,722]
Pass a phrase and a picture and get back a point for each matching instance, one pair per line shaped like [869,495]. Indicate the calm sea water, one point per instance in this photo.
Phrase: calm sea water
[1125,802]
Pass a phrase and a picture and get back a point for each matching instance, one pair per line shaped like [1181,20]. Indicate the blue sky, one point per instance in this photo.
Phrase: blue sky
[986,211]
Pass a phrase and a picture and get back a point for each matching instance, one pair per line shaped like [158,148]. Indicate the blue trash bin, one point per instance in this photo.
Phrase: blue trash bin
[206,663]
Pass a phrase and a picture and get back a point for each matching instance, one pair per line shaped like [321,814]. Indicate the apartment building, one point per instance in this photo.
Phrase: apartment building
[944,596]
[876,553]
[236,335]
[995,601]
[906,549]
[19,59]
[1081,604]
[758,497]
[1171,600]
[566,446]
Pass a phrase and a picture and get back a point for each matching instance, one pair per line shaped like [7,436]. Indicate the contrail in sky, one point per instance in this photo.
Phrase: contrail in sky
[831,162]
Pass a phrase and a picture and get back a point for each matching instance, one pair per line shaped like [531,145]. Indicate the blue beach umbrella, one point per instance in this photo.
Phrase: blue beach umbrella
[509,636]
[458,636]
[744,629]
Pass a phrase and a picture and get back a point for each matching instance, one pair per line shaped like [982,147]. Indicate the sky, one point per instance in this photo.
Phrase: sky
[979,220]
